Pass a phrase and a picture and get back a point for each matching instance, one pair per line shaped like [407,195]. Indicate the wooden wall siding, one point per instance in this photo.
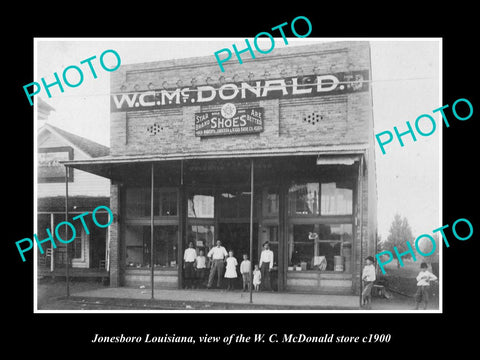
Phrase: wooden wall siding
[84,183]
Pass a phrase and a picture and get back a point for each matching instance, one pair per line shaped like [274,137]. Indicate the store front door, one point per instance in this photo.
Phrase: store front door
[236,237]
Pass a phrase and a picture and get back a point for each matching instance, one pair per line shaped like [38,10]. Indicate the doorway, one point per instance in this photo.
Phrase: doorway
[236,237]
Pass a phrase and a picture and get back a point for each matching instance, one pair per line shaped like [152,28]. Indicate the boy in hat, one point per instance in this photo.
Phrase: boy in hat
[368,278]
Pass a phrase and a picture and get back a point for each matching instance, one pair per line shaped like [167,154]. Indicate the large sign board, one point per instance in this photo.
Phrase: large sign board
[49,168]
[255,90]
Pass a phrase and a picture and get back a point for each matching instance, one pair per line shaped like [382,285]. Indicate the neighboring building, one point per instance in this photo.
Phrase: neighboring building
[43,110]
[302,114]
[86,192]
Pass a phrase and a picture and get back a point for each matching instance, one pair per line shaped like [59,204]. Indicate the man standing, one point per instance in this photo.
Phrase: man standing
[217,255]
[266,265]
[189,257]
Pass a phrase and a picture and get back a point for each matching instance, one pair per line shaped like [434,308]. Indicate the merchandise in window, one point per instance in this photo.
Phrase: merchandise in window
[138,243]
[314,246]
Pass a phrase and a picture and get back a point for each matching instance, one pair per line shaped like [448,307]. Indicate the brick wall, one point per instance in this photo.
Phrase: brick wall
[367,232]
[343,119]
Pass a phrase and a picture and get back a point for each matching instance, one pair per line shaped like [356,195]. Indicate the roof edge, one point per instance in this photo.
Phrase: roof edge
[326,150]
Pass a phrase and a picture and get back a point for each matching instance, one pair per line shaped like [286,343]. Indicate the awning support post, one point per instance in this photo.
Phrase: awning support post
[151,230]
[251,226]
[67,260]
[360,175]
[52,253]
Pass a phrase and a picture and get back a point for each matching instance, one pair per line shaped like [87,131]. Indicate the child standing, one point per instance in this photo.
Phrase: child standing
[231,270]
[423,284]
[257,278]
[245,271]
[368,277]
[201,269]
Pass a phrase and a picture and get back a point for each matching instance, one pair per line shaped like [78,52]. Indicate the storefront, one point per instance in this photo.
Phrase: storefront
[282,145]
[88,250]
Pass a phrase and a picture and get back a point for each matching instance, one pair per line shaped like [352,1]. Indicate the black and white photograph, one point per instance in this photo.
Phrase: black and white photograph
[276,175]
[218,181]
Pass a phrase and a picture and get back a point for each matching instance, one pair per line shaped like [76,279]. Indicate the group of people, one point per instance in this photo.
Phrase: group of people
[423,278]
[223,264]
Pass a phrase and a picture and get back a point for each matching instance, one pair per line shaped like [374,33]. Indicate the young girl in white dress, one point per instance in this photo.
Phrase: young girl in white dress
[231,270]
[257,278]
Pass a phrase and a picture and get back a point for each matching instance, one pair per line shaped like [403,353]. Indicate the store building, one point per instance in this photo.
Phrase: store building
[297,123]
[88,251]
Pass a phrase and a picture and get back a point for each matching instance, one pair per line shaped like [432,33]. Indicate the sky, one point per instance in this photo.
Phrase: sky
[405,85]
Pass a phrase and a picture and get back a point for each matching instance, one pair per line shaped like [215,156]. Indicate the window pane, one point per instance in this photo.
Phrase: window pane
[236,204]
[202,236]
[43,223]
[228,205]
[135,256]
[138,202]
[329,250]
[302,233]
[300,245]
[137,241]
[302,253]
[273,233]
[165,245]
[75,246]
[201,205]
[313,240]
[303,199]
[243,204]
[336,200]
[168,203]
[341,232]
[270,202]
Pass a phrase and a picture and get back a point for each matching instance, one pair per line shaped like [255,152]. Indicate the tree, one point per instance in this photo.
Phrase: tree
[399,233]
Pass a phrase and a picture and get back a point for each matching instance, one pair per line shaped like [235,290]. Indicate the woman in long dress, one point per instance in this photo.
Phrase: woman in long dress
[231,270]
